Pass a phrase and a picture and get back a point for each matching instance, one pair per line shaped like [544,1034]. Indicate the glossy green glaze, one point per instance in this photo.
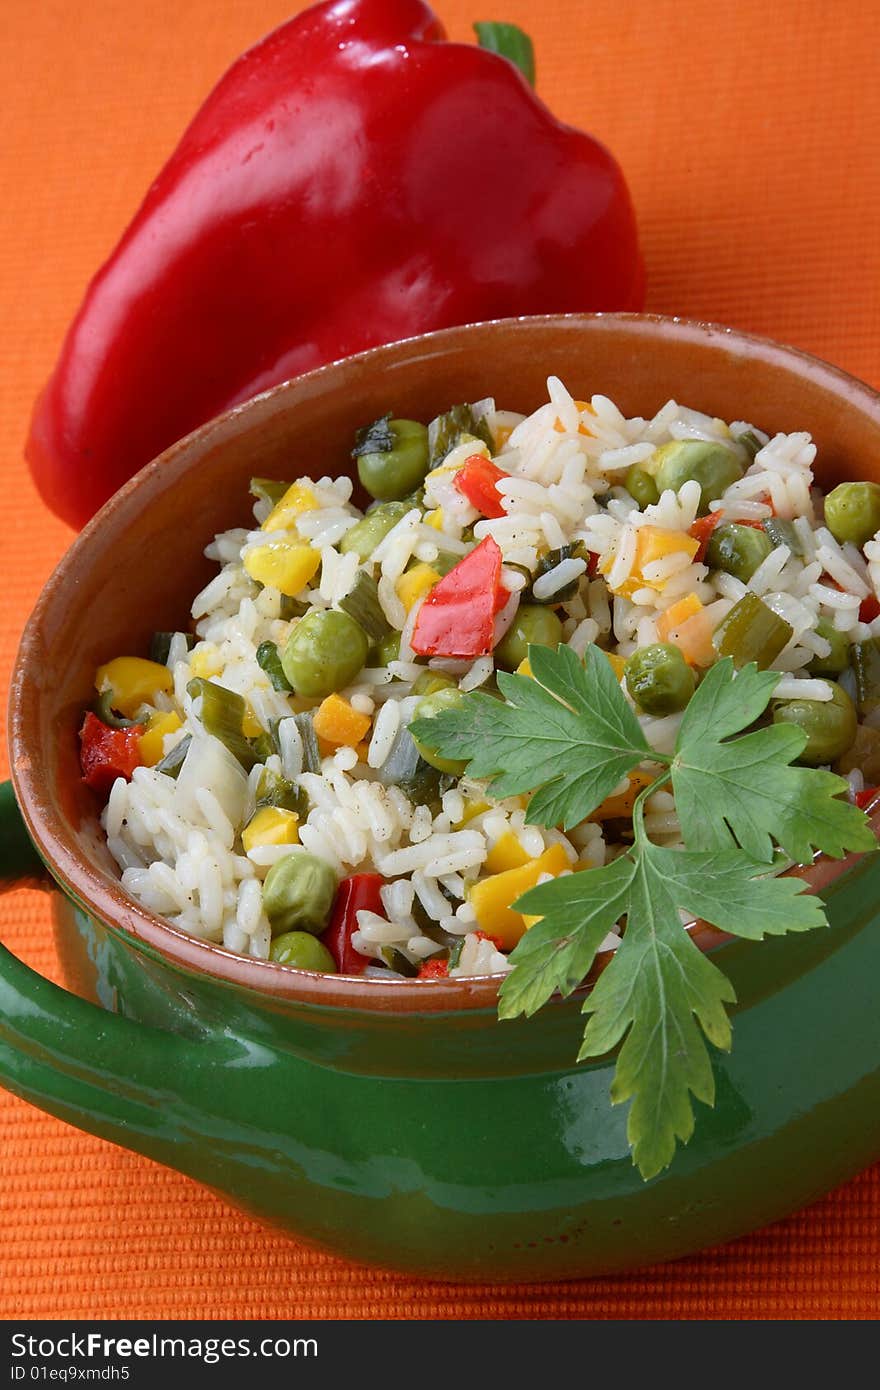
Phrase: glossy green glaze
[455,1146]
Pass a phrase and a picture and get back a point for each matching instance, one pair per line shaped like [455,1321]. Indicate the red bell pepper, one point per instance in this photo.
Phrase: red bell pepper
[433,970]
[477,480]
[353,179]
[865,798]
[355,894]
[702,531]
[457,618]
[106,753]
[869,609]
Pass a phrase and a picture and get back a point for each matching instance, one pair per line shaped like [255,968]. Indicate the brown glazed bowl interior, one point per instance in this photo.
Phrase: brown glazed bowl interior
[137,565]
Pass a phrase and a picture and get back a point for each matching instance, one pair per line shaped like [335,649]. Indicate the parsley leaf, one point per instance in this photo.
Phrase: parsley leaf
[568,732]
[745,792]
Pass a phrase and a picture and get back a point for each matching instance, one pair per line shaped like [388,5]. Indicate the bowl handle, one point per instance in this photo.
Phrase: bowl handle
[128,1082]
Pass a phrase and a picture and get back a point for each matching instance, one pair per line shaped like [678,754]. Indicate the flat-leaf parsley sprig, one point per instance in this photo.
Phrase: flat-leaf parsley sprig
[568,735]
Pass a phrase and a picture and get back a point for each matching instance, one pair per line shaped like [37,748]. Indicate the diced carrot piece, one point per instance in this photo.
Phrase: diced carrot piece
[338,723]
[620,805]
[677,614]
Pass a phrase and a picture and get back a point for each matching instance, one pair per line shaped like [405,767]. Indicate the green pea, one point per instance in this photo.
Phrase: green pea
[449,697]
[534,624]
[852,512]
[830,725]
[738,550]
[388,649]
[303,951]
[298,893]
[324,652]
[367,533]
[713,466]
[659,679]
[396,470]
[837,659]
[641,486]
[429,682]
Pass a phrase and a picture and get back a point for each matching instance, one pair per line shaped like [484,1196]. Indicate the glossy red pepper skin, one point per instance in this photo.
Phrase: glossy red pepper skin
[477,480]
[457,617]
[361,891]
[702,531]
[352,180]
[105,753]
[866,798]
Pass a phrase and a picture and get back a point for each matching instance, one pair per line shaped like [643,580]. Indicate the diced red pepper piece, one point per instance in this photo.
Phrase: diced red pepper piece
[433,970]
[496,941]
[477,481]
[702,531]
[869,609]
[106,753]
[864,798]
[593,563]
[755,525]
[457,617]
[361,892]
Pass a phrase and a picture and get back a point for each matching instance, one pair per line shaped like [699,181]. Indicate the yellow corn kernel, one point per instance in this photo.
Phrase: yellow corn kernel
[652,543]
[205,661]
[491,898]
[617,663]
[620,804]
[524,668]
[415,583]
[336,722]
[298,498]
[284,565]
[250,724]
[506,853]
[271,825]
[434,518]
[152,741]
[133,681]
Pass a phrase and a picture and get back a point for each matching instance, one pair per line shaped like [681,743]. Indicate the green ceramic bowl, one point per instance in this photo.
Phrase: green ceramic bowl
[400,1123]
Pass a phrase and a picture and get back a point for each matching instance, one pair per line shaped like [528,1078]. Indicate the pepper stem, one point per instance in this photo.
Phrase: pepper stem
[511,42]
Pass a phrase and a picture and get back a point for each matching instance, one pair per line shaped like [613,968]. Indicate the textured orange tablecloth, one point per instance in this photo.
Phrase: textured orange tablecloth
[750,134]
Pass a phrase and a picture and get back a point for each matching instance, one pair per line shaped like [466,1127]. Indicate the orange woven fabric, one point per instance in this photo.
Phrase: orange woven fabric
[750,134]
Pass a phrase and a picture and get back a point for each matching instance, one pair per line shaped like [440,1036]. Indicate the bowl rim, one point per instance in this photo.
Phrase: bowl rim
[103,897]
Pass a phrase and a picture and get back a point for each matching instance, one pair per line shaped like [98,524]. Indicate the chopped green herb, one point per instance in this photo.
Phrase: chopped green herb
[569,736]
[452,428]
[269,660]
[377,438]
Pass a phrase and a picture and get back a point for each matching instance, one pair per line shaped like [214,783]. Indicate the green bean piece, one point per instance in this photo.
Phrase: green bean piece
[837,659]
[222,714]
[305,723]
[453,428]
[830,725]
[751,443]
[398,962]
[405,768]
[302,951]
[713,466]
[737,550]
[107,714]
[752,632]
[455,951]
[269,660]
[298,893]
[865,662]
[324,653]
[292,608]
[533,625]
[429,682]
[269,490]
[275,790]
[783,533]
[362,603]
[371,530]
[392,457]
[852,512]
[387,650]
[160,645]
[549,562]
[448,697]
[659,679]
[173,761]
[641,486]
